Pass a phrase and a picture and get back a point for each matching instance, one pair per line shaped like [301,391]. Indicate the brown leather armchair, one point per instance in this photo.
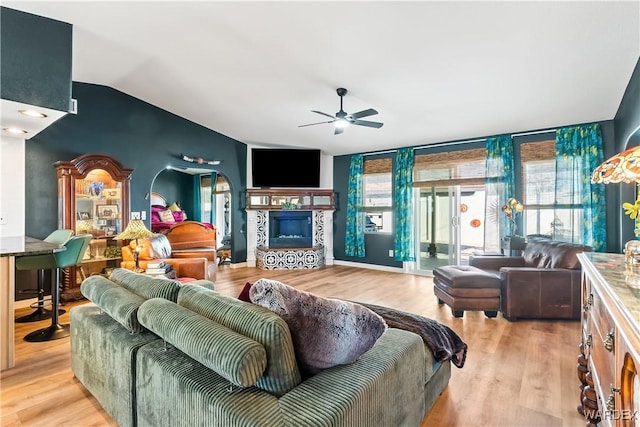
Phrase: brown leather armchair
[543,283]
[159,248]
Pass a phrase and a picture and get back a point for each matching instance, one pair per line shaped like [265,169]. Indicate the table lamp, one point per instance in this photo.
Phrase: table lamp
[135,230]
[623,167]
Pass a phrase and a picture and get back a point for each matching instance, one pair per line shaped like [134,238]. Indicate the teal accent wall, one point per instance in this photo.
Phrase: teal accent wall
[176,187]
[36,60]
[627,121]
[140,136]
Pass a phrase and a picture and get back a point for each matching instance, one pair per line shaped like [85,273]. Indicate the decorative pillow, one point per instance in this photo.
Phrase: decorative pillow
[326,332]
[178,216]
[154,247]
[166,216]
[244,294]
[173,207]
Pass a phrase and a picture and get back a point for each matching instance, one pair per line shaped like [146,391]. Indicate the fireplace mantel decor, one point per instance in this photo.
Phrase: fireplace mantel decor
[271,199]
[279,237]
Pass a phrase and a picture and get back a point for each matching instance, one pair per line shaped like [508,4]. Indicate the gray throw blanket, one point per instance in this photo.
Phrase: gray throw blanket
[444,343]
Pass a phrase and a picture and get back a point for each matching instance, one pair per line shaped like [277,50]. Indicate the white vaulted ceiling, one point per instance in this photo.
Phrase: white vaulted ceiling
[435,71]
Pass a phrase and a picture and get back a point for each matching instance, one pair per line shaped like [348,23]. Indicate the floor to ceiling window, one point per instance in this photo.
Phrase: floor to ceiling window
[377,195]
[552,206]
[450,207]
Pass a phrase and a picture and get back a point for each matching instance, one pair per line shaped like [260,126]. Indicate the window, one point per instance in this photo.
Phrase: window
[205,197]
[553,206]
[378,196]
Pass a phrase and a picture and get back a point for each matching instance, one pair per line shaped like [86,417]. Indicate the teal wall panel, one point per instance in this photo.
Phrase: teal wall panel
[36,60]
[140,136]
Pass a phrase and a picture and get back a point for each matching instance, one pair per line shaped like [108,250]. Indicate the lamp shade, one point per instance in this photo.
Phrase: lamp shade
[135,230]
[623,167]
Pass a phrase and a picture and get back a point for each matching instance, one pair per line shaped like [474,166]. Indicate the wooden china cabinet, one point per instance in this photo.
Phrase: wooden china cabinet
[93,198]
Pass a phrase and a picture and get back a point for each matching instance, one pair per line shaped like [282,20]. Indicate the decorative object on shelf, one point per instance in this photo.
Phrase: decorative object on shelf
[95,189]
[199,160]
[290,206]
[512,209]
[135,230]
[111,193]
[84,226]
[107,211]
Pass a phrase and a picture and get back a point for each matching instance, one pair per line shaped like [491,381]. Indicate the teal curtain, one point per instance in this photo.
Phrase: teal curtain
[197,203]
[404,243]
[578,153]
[499,186]
[212,213]
[354,236]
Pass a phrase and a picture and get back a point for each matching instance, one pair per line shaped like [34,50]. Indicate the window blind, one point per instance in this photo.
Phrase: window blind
[462,167]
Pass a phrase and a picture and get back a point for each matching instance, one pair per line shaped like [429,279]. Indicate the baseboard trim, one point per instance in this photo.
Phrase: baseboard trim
[369,266]
[238,265]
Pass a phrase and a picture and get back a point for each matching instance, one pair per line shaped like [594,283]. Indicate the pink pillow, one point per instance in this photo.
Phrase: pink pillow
[178,216]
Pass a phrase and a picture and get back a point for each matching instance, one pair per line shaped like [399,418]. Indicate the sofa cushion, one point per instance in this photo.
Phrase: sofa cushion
[119,303]
[326,332]
[145,286]
[553,254]
[233,356]
[257,323]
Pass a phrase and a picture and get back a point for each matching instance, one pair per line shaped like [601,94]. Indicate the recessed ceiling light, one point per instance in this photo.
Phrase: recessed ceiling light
[33,113]
[15,131]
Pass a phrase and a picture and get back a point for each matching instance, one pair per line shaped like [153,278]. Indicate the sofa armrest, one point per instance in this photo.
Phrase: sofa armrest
[540,293]
[489,262]
[391,374]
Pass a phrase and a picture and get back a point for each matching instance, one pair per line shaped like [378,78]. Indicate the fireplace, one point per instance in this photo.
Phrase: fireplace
[290,229]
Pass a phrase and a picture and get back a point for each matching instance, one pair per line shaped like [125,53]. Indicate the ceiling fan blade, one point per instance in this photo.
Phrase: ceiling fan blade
[338,131]
[363,113]
[324,114]
[367,123]
[319,123]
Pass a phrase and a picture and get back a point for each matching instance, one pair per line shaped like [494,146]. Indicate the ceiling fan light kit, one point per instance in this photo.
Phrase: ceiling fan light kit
[342,120]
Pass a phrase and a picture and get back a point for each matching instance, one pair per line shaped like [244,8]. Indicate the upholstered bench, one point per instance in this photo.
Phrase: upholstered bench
[462,287]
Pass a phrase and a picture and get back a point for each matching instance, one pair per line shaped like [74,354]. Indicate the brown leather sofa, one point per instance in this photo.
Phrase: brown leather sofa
[543,283]
[159,248]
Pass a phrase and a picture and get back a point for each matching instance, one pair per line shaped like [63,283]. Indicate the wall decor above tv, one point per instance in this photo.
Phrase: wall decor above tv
[285,168]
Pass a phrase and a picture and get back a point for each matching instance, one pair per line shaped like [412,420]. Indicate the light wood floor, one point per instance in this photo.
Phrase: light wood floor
[517,373]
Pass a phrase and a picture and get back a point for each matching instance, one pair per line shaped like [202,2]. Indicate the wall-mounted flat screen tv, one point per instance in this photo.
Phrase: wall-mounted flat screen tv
[283,167]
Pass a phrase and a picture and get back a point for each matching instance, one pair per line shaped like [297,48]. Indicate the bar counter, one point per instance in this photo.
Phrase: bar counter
[10,247]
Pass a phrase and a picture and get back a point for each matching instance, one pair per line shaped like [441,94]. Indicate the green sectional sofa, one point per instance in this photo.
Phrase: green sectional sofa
[155,352]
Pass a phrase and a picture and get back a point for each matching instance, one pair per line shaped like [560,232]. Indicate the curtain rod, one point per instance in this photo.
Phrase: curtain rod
[465,141]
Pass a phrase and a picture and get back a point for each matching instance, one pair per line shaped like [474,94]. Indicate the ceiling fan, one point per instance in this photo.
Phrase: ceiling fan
[341,120]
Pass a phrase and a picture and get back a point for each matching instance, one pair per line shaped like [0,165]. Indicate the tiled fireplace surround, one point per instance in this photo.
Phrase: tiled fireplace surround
[259,254]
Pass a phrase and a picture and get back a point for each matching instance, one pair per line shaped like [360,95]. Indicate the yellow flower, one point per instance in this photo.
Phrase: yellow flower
[632,209]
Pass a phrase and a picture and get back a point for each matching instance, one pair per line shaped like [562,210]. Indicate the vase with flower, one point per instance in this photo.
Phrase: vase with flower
[632,247]
[513,209]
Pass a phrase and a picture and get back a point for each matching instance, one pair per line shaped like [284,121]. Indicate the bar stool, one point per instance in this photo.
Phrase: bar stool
[72,256]
[58,237]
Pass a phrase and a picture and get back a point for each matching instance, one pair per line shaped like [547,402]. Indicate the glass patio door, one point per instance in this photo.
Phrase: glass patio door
[449,225]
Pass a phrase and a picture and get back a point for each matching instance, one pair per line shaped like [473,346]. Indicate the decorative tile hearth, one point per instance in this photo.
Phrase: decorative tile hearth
[290,259]
[316,256]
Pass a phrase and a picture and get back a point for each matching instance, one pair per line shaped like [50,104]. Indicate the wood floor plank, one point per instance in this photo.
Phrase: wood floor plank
[519,373]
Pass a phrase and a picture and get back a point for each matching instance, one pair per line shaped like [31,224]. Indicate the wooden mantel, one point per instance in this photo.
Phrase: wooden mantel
[279,199]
